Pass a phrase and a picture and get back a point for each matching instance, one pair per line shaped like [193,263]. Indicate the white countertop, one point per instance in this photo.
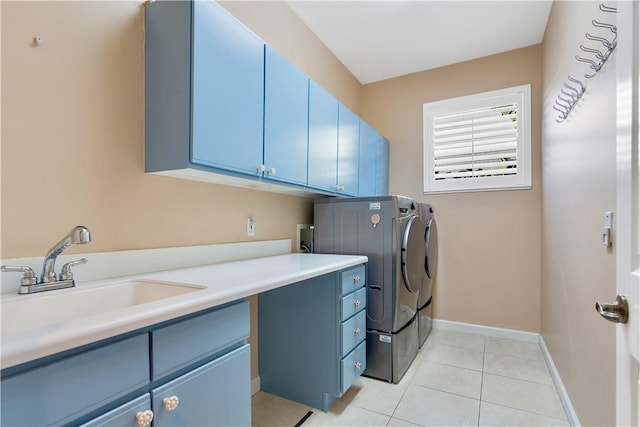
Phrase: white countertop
[223,282]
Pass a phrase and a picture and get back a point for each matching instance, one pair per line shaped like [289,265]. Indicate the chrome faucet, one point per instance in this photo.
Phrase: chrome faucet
[78,236]
[48,279]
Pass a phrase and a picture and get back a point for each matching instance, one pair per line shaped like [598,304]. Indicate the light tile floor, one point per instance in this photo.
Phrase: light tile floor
[457,379]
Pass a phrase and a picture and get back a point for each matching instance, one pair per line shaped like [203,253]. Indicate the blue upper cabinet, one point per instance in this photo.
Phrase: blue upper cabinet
[285,120]
[323,139]
[228,87]
[222,106]
[348,148]
[373,179]
[382,167]
[204,97]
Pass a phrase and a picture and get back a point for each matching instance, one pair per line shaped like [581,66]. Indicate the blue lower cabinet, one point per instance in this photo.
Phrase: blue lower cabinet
[201,360]
[310,347]
[216,394]
[131,414]
[353,365]
[63,390]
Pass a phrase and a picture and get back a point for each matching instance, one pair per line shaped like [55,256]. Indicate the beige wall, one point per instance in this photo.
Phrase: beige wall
[73,137]
[489,242]
[579,185]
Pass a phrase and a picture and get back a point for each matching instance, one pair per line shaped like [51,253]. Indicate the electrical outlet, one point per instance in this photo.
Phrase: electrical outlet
[251,227]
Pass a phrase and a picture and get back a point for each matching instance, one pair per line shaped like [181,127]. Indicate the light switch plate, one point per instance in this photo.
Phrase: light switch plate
[608,219]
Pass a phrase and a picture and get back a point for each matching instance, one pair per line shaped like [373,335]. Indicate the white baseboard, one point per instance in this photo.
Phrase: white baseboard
[255,385]
[555,375]
[513,334]
[488,331]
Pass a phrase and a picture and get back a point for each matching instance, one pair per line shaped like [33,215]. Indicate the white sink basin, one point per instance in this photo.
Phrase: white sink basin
[24,312]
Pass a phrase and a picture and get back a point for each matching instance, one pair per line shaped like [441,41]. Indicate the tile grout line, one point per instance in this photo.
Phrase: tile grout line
[484,352]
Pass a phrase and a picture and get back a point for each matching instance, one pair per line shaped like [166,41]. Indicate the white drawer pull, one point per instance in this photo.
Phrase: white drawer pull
[356,279]
[357,303]
[358,365]
[144,418]
[170,403]
[357,331]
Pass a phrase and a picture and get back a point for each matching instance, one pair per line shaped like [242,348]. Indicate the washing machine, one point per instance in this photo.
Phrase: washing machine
[389,231]
[425,297]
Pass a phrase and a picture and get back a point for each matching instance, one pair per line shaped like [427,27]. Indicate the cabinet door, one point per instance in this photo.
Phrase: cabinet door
[373,179]
[227,91]
[124,415]
[216,394]
[323,138]
[285,120]
[367,161]
[348,143]
[382,167]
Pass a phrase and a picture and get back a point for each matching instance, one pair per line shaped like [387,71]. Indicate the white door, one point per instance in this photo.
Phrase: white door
[628,223]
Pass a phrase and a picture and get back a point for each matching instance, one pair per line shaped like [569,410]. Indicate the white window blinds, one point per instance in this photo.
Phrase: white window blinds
[478,142]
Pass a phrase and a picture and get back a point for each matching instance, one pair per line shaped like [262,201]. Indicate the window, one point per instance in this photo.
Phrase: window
[479,142]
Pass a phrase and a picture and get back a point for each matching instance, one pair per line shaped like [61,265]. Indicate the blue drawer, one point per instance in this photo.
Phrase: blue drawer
[61,391]
[123,416]
[353,365]
[352,279]
[179,345]
[353,303]
[354,330]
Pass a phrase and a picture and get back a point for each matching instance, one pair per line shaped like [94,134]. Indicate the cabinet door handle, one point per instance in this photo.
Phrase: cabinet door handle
[261,168]
[170,403]
[357,331]
[272,171]
[356,280]
[358,366]
[357,303]
[144,418]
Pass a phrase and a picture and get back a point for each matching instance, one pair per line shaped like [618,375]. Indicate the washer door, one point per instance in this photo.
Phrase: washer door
[431,249]
[413,254]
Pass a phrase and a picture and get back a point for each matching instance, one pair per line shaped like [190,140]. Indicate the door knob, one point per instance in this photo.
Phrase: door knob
[616,312]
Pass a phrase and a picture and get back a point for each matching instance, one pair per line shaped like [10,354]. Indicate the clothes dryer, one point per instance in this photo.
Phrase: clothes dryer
[389,231]
[425,298]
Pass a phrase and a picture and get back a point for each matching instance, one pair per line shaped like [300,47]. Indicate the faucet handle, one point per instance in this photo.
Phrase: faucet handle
[29,277]
[65,273]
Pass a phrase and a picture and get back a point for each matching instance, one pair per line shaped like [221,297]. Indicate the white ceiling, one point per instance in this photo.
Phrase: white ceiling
[378,39]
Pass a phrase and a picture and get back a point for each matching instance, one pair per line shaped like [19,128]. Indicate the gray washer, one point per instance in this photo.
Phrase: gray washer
[389,231]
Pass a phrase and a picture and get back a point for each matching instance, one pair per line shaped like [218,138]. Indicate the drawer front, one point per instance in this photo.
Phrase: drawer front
[354,331]
[216,394]
[353,365]
[122,416]
[64,390]
[352,279]
[353,303]
[179,345]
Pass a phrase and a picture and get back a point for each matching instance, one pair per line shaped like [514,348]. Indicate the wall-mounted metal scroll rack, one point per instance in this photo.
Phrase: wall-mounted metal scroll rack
[596,54]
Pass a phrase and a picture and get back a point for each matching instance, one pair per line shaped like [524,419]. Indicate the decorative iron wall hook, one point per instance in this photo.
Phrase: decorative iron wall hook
[567,100]
[608,8]
[613,28]
[565,104]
